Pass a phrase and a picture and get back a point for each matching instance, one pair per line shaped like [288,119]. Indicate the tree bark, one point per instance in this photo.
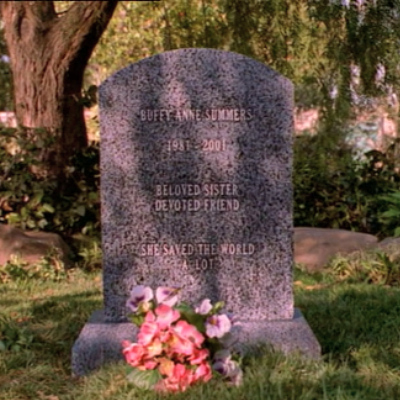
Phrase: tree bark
[49,53]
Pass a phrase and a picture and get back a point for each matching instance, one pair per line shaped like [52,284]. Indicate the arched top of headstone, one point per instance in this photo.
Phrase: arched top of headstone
[197,78]
[200,61]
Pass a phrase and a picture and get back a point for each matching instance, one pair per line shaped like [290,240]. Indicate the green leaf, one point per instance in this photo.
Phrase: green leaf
[37,198]
[47,208]
[391,213]
[13,218]
[93,196]
[183,307]
[42,223]
[137,319]
[24,212]
[397,232]
[144,379]
[80,210]
[194,319]
[393,196]
[15,347]
[3,346]
[31,223]
[217,307]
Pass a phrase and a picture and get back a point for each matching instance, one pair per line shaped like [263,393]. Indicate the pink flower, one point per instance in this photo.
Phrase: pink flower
[175,348]
[167,295]
[155,348]
[217,325]
[149,364]
[133,353]
[166,316]
[180,345]
[166,366]
[150,317]
[165,335]
[147,332]
[204,308]
[189,332]
[203,372]
[182,376]
[179,379]
[198,356]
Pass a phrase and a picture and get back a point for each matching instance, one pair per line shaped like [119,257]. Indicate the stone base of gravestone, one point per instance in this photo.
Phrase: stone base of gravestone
[288,336]
[100,342]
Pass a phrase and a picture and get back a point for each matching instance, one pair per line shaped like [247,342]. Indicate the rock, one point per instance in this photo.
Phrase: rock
[31,246]
[314,247]
[389,242]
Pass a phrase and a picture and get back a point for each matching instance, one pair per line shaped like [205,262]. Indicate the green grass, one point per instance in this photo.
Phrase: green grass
[356,321]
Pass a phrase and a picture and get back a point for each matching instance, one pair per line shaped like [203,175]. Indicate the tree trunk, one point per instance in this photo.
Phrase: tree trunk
[49,53]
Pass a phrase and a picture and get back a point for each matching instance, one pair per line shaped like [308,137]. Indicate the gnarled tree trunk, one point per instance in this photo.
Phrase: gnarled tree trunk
[49,53]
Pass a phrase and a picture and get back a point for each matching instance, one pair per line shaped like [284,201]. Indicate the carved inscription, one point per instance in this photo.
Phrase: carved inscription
[211,114]
[200,256]
[202,249]
[196,197]
[206,145]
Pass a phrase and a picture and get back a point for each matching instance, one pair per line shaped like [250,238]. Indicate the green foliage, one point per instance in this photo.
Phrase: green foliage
[14,336]
[334,190]
[391,217]
[144,379]
[32,200]
[374,267]
[90,256]
[48,268]
[284,35]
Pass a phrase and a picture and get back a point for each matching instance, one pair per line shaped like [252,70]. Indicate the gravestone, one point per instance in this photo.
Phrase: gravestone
[196,152]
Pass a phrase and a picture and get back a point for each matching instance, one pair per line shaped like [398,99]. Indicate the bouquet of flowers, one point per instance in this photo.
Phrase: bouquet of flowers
[177,345]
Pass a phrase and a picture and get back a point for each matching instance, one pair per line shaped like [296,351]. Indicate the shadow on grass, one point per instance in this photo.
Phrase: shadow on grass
[56,323]
[44,366]
[347,319]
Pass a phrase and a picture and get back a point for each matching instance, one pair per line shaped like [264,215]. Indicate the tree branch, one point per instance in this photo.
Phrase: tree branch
[81,27]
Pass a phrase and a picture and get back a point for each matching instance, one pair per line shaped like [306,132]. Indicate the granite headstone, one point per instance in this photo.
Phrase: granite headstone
[196,152]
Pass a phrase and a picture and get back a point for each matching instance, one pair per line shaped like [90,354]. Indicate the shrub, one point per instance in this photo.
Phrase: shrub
[333,189]
[48,268]
[30,200]
[13,335]
[376,267]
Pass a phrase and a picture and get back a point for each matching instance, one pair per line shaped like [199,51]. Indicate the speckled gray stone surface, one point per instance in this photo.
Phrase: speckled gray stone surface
[196,153]
[196,149]
[99,343]
[288,336]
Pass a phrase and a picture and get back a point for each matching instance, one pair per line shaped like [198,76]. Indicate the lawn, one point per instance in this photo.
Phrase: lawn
[356,320]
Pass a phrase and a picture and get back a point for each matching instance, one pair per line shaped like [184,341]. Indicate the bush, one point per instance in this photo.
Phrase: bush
[30,200]
[48,268]
[333,189]
[379,266]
